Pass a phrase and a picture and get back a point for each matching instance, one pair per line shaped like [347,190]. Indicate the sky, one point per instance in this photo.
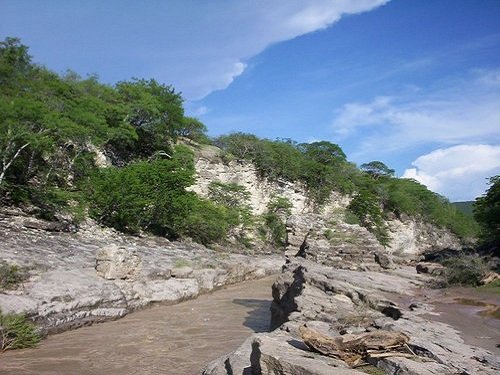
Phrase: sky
[415,84]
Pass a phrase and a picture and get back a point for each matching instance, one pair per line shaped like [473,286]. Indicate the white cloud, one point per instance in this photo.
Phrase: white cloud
[198,46]
[458,172]
[460,111]
[218,43]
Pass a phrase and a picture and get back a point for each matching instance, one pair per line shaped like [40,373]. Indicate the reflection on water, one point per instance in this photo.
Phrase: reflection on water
[177,340]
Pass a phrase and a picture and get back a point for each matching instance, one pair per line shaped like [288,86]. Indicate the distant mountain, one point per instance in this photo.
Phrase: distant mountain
[464,207]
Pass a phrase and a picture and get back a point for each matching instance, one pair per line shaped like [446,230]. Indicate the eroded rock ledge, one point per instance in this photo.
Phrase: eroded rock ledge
[95,275]
[335,302]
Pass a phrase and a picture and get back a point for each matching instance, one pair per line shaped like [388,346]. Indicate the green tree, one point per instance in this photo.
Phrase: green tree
[194,129]
[487,210]
[324,152]
[377,169]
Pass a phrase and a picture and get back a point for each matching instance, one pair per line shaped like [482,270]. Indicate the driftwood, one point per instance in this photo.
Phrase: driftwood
[354,348]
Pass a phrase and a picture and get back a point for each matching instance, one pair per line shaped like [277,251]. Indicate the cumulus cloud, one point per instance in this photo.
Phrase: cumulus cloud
[458,172]
[460,111]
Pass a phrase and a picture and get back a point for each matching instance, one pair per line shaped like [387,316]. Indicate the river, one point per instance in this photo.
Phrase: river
[177,339]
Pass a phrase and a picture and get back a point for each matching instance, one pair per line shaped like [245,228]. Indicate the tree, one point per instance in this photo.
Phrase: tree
[241,145]
[155,111]
[377,169]
[193,129]
[487,210]
[323,152]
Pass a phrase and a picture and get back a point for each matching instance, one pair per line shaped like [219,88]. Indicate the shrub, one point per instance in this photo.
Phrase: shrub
[366,207]
[11,275]
[206,222]
[274,226]
[16,332]
[465,270]
[145,195]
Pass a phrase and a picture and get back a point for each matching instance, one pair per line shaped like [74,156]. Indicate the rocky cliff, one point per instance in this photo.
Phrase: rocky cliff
[321,228]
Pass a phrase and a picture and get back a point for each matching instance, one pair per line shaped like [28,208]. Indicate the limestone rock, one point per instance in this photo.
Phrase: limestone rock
[384,260]
[182,272]
[113,262]
[489,278]
[434,269]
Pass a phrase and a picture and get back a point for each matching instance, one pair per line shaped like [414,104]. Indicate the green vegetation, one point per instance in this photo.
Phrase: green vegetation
[487,211]
[321,167]
[16,332]
[366,207]
[465,269]
[464,207]
[273,228]
[11,275]
[52,128]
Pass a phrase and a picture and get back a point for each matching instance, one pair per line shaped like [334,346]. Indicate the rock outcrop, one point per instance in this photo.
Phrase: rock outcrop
[96,274]
[348,244]
[339,302]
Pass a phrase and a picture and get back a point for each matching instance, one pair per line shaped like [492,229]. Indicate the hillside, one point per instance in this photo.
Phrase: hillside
[464,207]
[123,155]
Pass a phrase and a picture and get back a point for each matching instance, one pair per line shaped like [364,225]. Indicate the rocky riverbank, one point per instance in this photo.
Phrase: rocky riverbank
[96,274]
[346,305]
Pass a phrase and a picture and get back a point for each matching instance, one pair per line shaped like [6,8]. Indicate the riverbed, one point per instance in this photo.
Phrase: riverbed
[177,339]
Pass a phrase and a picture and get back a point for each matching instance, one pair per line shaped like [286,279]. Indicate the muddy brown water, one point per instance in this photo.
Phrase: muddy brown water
[473,312]
[178,339]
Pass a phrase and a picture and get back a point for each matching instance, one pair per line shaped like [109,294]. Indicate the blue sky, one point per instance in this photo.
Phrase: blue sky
[415,84]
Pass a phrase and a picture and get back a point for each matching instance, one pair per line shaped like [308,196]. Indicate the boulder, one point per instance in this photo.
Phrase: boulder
[384,260]
[113,262]
[434,269]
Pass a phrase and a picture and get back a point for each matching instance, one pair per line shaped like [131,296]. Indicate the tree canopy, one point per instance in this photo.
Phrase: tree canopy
[487,210]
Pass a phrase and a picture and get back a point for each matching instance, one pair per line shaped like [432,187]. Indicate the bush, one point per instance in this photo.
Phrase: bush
[465,270]
[274,226]
[366,207]
[207,222]
[487,211]
[145,195]
[11,275]
[16,332]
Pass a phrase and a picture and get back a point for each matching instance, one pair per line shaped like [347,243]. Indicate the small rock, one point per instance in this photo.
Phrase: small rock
[434,269]
[489,278]
[113,262]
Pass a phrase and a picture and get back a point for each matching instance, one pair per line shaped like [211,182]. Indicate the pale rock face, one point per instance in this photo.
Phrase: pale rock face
[209,167]
[408,237]
[113,262]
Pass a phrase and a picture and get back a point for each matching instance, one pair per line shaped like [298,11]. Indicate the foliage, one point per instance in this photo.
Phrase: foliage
[11,275]
[194,129]
[144,195]
[235,199]
[465,269]
[320,166]
[50,125]
[465,207]
[377,169]
[16,332]
[274,225]
[206,222]
[365,205]
[487,211]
